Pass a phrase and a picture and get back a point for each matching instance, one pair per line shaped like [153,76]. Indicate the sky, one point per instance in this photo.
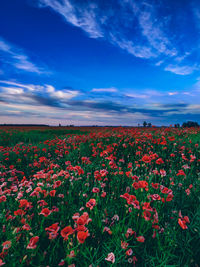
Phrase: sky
[99,62]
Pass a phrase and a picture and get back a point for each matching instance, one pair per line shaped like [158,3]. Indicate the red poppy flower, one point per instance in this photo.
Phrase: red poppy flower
[24,203]
[53,230]
[182,223]
[159,161]
[32,242]
[19,212]
[140,239]
[81,236]
[95,190]
[26,227]
[91,203]
[46,212]
[146,159]
[52,193]
[155,197]
[6,245]
[2,198]
[66,232]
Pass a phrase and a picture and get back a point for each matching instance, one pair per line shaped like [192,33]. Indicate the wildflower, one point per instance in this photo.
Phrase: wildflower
[72,254]
[95,190]
[129,232]
[140,239]
[187,191]
[66,232]
[83,219]
[91,203]
[62,262]
[46,212]
[124,244]
[52,193]
[25,204]
[146,159]
[110,257]
[81,236]
[107,229]
[183,221]
[32,242]
[6,245]
[129,252]
[3,199]
[1,262]
[26,227]
[159,161]
[53,230]
[155,197]
[103,194]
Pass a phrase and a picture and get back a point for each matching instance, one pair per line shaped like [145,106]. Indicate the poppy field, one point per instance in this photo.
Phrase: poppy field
[99,196]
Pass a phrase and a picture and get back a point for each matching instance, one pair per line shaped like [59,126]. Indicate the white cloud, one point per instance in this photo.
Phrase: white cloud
[12,90]
[133,95]
[134,26]
[159,63]
[112,25]
[153,32]
[172,93]
[17,58]
[64,94]
[181,70]
[34,90]
[140,51]
[83,18]
[29,87]
[109,90]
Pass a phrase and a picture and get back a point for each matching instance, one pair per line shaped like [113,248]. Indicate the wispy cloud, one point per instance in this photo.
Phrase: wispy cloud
[153,31]
[134,26]
[181,70]
[15,57]
[135,95]
[113,22]
[108,90]
[84,18]
[172,93]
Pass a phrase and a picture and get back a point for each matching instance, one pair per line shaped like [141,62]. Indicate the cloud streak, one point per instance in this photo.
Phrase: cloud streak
[11,55]
[133,26]
[107,90]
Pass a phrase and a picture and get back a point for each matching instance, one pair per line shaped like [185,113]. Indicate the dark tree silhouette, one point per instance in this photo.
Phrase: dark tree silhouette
[145,124]
[190,124]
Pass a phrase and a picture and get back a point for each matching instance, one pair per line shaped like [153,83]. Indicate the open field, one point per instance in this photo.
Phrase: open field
[99,196]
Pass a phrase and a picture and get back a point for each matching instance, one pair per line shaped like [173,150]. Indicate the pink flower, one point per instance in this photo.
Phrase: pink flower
[95,190]
[129,252]
[1,262]
[110,257]
[91,203]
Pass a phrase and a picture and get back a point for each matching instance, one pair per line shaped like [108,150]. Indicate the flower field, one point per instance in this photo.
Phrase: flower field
[99,197]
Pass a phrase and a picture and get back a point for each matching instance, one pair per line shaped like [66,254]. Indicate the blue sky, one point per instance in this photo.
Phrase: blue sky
[97,62]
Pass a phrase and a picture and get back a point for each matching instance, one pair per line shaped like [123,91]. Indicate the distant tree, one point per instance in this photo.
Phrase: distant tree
[190,124]
[145,124]
[177,125]
[149,124]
